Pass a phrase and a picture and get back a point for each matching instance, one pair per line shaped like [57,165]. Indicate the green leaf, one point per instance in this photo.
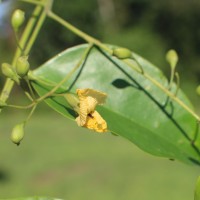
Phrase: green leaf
[135,109]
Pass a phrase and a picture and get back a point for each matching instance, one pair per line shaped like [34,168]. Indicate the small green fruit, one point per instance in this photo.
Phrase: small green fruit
[17,19]
[172,58]
[122,53]
[22,66]
[9,72]
[17,134]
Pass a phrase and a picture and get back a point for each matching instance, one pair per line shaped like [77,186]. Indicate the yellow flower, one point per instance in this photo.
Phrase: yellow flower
[88,117]
[95,122]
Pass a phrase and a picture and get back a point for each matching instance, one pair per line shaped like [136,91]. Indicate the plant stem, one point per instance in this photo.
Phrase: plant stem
[51,92]
[17,41]
[36,2]
[177,83]
[31,95]
[39,80]
[172,73]
[35,32]
[78,32]
[28,96]
[172,96]
[27,39]
[31,113]
[9,83]
[27,32]
[20,107]
[166,91]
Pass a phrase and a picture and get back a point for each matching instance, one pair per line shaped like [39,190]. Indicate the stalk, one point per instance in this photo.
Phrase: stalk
[29,27]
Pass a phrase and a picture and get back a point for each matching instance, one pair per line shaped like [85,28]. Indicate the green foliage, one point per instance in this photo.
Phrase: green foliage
[136,109]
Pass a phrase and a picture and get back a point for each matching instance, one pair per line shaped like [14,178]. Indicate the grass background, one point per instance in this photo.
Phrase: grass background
[59,159]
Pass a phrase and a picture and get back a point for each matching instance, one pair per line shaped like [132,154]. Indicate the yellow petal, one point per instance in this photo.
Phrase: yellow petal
[88,100]
[88,117]
[83,112]
[91,104]
[99,96]
[95,122]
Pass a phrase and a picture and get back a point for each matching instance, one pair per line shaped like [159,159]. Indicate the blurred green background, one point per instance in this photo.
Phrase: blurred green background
[59,159]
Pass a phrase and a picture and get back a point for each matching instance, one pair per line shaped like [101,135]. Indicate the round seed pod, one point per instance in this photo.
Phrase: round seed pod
[17,19]
[22,66]
[9,72]
[17,134]
[172,58]
[122,53]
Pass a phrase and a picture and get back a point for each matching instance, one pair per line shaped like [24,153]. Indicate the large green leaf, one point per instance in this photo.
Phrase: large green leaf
[135,109]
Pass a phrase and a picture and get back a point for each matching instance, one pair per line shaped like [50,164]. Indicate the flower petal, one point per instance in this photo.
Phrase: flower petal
[96,122]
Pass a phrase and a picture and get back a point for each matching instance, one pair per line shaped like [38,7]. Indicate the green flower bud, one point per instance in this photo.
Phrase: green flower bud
[197,190]
[122,53]
[17,19]
[22,66]
[198,90]
[172,58]
[9,72]
[17,133]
